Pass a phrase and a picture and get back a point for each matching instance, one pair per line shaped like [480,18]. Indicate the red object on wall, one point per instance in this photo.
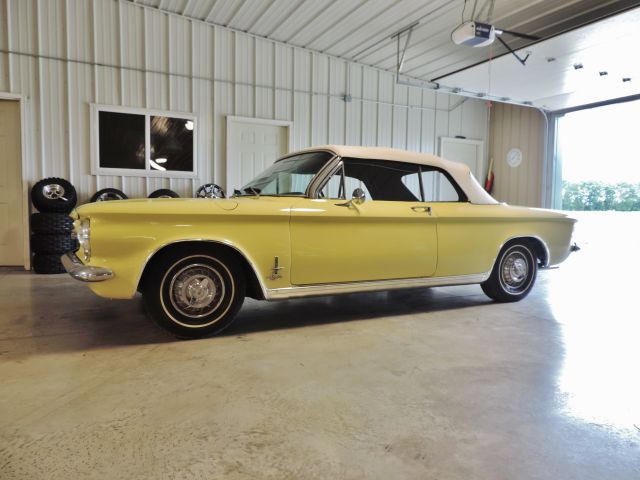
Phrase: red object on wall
[488,183]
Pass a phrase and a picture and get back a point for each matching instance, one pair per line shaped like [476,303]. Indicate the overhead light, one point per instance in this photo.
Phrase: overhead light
[577,66]
[528,102]
[626,79]
[603,73]
[188,125]
[161,160]
[551,59]
[155,166]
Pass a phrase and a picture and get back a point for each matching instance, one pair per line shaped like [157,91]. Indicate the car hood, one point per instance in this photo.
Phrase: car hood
[188,206]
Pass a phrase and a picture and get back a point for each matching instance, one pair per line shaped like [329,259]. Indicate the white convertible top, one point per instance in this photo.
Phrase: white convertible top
[459,171]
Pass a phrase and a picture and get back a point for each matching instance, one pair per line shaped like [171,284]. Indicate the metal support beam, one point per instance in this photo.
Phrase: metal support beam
[400,57]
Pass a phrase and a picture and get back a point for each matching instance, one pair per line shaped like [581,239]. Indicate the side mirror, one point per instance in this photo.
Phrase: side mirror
[358,196]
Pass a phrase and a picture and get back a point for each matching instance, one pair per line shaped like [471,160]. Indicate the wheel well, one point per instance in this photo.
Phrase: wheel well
[252,284]
[539,248]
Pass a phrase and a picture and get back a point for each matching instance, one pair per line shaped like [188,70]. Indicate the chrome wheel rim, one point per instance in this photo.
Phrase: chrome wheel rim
[53,191]
[196,290]
[108,196]
[514,272]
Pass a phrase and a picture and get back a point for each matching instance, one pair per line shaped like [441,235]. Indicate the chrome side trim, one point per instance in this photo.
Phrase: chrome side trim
[82,272]
[246,257]
[353,287]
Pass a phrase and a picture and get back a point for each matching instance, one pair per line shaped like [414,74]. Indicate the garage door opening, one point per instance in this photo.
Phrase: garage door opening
[599,153]
[599,157]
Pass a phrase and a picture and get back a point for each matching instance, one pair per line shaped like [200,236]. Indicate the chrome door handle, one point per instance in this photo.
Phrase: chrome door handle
[422,208]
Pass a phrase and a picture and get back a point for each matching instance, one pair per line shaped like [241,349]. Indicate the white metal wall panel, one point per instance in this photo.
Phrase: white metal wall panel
[517,127]
[121,53]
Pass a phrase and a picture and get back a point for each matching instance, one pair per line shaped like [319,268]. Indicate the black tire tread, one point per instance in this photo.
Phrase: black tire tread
[47,264]
[50,223]
[52,244]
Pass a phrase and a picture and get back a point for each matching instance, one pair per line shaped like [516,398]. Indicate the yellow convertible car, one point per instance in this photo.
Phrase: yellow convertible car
[320,221]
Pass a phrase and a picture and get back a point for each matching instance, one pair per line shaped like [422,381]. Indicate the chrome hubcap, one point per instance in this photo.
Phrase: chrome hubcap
[514,270]
[105,197]
[53,191]
[196,290]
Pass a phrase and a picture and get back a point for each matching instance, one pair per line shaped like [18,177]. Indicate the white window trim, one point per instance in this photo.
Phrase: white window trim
[96,169]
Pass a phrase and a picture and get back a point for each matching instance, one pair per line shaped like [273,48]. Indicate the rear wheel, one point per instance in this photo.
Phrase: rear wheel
[513,274]
[194,294]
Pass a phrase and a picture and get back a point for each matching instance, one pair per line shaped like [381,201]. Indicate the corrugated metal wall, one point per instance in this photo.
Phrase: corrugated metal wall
[64,55]
[513,126]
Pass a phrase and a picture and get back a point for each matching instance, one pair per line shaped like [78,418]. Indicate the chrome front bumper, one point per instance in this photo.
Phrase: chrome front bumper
[82,272]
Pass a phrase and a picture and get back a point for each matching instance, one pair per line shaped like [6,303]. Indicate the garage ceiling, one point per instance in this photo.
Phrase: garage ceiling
[362,30]
[592,64]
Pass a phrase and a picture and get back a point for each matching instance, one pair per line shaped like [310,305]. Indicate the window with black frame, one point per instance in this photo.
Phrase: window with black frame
[145,143]
[390,181]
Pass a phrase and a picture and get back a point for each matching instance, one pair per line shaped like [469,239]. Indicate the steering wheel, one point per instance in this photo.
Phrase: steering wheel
[210,190]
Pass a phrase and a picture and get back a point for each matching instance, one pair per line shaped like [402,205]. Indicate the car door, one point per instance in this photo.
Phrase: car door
[391,235]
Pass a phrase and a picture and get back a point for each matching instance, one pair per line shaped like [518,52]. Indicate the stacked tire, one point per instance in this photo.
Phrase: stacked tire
[51,228]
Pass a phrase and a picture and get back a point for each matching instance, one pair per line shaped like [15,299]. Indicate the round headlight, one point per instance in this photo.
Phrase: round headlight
[82,234]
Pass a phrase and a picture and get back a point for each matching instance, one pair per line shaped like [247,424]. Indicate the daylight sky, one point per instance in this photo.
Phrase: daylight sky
[601,144]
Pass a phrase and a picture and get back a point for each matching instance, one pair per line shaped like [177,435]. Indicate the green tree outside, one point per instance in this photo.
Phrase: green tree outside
[600,196]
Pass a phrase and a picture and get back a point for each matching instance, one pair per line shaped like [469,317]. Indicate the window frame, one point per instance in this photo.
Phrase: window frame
[96,169]
[462,197]
[420,168]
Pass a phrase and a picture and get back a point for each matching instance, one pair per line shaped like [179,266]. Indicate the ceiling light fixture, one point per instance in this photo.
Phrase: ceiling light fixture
[155,166]
[626,79]
[603,73]
[577,66]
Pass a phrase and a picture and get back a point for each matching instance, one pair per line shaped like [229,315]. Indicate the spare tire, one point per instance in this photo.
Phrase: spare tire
[108,194]
[164,193]
[210,190]
[54,195]
[47,264]
[49,223]
[50,244]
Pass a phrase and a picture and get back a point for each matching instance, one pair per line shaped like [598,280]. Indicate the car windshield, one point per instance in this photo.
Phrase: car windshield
[290,176]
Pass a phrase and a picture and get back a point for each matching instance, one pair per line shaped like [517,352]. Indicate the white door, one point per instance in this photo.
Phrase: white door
[469,152]
[252,146]
[11,202]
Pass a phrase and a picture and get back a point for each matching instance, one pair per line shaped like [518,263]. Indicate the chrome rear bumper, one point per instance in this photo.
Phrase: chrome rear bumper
[82,272]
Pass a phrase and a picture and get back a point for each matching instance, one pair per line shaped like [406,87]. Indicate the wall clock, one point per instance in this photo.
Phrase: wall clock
[514,157]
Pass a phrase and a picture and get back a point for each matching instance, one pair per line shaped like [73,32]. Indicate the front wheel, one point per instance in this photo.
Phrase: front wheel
[194,294]
[513,274]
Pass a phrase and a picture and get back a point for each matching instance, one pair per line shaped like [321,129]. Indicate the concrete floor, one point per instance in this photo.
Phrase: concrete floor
[438,383]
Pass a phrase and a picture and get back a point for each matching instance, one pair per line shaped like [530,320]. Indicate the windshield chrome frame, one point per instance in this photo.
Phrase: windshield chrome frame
[311,188]
[325,172]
